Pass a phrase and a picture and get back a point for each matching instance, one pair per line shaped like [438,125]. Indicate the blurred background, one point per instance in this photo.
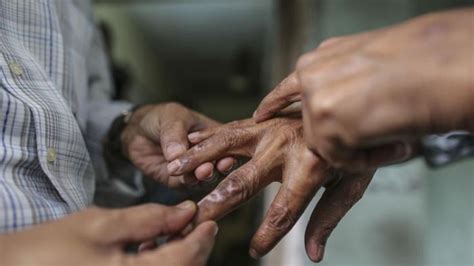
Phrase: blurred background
[220,57]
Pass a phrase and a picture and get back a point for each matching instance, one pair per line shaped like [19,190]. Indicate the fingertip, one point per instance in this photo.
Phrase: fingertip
[262,115]
[187,205]
[173,150]
[254,254]
[194,137]
[173,167]
[225,165]
[315,251]
[204,172]
[208,229]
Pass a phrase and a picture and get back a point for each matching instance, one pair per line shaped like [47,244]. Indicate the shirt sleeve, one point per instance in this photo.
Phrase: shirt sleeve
[440,150]
[118,183]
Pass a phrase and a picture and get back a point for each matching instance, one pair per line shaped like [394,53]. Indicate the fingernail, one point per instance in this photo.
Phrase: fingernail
[173,166]
[216,230]
[174,150]
[318,255]
[402,152]
[210,175]
[254,254]
[226,171]
[193,136]
[186,205]
[254,115]
[187,230]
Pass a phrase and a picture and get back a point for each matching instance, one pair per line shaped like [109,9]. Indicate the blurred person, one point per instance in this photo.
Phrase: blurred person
[63,143]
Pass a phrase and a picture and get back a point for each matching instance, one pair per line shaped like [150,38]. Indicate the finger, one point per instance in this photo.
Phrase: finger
[284,94]
[173,138]
[219,145]
[326,48]
[336,201]
[204,172]
[241,185]
[198,136]
[188,180]
[142,223]
[333,47]
[225,165]
[304,175]
[366,159]
[194,249]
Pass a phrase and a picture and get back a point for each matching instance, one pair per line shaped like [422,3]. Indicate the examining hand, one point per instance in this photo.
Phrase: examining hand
[368,97]
[278,154]
[98,237]
[157,134]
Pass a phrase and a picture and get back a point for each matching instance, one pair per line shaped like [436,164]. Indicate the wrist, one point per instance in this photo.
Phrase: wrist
[113,143]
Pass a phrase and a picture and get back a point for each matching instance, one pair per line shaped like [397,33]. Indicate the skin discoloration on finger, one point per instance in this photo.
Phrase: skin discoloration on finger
[233,191]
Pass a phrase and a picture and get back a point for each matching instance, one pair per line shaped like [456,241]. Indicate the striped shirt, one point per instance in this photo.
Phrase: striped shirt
[54,105]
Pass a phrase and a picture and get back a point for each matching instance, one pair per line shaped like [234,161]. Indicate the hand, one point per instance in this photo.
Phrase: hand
[368,97]
[278,153]
[98,237]
[157,134]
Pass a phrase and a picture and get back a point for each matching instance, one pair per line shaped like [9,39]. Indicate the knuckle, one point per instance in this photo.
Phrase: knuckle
[237,188]
[303,60]
[230,138]
[290,131]
[322,107]
[174,105]
[100,219]
[280,218]
[330,41]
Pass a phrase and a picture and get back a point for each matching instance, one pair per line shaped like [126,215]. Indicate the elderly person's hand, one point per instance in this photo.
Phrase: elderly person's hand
[157,134]
[98,237]
[278,154]
[368,97]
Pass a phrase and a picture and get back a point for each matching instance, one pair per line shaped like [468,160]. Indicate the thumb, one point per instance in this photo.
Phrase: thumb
[194,249]
[284,94]
[174,138]
[143,222]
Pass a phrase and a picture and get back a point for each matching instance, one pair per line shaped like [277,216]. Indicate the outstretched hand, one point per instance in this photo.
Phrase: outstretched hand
[278,154]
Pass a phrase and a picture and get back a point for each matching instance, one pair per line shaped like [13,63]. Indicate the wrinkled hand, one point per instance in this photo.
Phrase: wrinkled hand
[368,97]
[157,134]
[98,237]
[278,154]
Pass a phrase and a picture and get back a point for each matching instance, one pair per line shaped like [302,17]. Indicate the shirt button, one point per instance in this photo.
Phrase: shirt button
[16,69]
[51,155]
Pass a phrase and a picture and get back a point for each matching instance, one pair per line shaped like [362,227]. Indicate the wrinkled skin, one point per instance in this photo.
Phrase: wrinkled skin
[368,98]
[278,154]
[157,134]
[98,237]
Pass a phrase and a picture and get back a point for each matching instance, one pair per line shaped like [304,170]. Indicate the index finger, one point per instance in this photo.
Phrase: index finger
[284,94]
